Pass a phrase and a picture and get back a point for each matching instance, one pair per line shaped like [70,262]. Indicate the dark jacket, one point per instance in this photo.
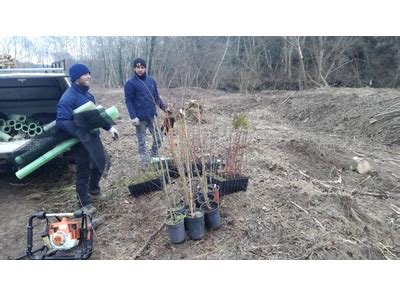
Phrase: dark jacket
[72,98]
[141,98]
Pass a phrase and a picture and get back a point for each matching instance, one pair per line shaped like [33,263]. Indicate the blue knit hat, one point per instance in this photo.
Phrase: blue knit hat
[77,70]
[139,62]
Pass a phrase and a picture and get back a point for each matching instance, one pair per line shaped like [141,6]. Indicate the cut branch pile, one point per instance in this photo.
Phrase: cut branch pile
[388,123]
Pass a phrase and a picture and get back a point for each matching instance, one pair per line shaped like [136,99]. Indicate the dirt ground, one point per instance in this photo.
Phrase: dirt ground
[304,200]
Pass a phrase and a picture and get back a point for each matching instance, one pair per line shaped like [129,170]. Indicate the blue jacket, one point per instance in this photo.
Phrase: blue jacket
[141,98]
[72,98]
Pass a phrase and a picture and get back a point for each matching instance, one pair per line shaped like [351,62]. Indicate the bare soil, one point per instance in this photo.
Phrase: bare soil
[304,201]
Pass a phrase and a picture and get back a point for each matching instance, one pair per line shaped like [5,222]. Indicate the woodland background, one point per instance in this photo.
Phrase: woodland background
[244,64]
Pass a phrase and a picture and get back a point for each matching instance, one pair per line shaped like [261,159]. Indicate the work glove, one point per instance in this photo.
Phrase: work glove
[168,110]
[114,133]
[135,122]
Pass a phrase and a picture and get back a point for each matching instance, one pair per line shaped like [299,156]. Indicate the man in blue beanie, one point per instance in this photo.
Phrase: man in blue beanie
[141,99]
[89,154]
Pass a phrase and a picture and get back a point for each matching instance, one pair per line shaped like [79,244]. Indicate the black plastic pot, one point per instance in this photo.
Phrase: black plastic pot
[146,187]
[172,169]
[195,225]
[213,189]
[199,198]
[212,216]
[179,208]
[229,186]
[176,228]
[193,169]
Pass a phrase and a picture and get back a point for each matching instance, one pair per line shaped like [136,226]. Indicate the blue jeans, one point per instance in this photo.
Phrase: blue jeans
[141,138]
[87,175]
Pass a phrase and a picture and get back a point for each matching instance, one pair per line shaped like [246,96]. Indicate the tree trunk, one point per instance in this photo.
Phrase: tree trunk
[302,72]
[214,84]
[150,55]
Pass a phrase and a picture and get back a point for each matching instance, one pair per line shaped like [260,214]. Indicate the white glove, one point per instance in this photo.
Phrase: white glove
[168,110]
[114,133]
[135,122]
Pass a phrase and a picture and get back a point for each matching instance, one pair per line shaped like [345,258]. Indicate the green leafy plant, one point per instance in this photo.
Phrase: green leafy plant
[174,219]
[241,121]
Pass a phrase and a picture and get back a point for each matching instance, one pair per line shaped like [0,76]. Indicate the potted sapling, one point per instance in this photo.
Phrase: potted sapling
[205,196]
[229,177]
[194,220]
[174,220]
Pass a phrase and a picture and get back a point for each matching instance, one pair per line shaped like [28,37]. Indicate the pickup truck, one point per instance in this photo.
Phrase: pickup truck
[32,93]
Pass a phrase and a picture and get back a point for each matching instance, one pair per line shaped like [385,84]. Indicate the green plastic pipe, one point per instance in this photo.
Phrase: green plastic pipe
[39,130]
[57,150]
[49,126]
[5,137]
[87,106]
[25,128]
[5,128]
[18,118]
[31,133]
[18,126]
[19,136]
[157,159]
[11,122]
[32,126]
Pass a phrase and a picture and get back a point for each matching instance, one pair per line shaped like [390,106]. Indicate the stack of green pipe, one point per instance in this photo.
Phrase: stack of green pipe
[57,150]
[19,126]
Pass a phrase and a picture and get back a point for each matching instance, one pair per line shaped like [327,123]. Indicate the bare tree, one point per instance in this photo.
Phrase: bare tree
[150,53]
[214,83]
[298,42]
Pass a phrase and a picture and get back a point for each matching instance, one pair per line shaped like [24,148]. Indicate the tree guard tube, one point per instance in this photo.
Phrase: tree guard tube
[57,150]
[4,136]
[18,118]
[87,106]
[20,159]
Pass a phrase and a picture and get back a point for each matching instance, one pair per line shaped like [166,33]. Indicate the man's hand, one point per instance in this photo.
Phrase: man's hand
[135,122]
[114,133]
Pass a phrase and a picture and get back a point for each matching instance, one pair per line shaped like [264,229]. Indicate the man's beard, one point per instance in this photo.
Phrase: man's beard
[83,86]
[141,76]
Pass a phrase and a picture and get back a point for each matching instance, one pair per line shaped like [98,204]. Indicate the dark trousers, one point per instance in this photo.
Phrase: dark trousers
[87,175]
